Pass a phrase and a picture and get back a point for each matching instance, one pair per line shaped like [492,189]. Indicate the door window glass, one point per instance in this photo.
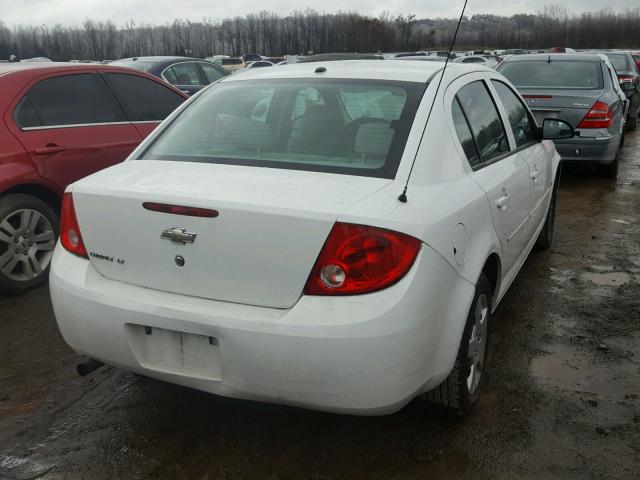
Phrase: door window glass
[464,134]
[70,100]
[170,76]
[26,114]
[187,74]
[147,100]
[521,124]
[212,73]
[484,120]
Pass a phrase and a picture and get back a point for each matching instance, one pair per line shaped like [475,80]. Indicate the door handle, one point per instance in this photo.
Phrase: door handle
[503,201]
[51,148]
[535,175]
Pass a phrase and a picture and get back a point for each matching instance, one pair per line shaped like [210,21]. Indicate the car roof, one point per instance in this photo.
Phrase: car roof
[555,57]
[159,59]
[7,68]
[396,70]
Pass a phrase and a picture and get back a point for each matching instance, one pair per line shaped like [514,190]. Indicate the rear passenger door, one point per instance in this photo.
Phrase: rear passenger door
[147,102]
[72,126]
[504,177]
[539,159]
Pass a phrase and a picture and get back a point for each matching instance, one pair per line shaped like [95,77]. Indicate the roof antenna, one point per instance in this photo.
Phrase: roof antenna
[403,196]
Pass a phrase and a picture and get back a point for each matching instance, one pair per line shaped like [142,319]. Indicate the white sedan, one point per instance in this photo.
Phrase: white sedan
[259,245]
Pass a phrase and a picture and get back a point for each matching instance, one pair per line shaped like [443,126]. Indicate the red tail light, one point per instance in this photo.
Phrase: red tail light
[70,236]
[600,116]
[359,259]
[626,78]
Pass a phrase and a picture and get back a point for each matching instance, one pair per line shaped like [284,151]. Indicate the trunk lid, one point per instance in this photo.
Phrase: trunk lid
[568,105]
[259,250]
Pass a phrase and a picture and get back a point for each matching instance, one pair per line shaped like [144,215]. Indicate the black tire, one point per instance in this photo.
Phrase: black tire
[10,205]
[609,171]
[545,239]
[454,396]
[634,111]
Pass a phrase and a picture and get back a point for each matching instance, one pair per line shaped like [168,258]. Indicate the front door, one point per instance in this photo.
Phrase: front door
[537,155]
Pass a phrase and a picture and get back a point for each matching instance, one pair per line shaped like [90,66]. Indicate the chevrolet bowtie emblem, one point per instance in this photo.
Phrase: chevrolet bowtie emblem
[178,236]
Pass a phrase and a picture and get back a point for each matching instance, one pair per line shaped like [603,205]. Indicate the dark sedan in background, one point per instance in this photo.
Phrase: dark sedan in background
[629,78]
[581,89]
[188,74]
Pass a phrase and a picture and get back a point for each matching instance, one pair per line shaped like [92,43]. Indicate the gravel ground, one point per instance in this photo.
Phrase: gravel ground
[561,399]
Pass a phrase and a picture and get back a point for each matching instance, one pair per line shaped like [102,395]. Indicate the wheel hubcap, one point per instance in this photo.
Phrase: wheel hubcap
[478,343]
[26,244]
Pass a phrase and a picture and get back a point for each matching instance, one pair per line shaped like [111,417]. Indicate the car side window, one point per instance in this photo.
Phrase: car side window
[487,128]
[464,134]
[66,100]
[170,76]
[26,115]
[212,73]
[524,130]
[145,99]
[187,74]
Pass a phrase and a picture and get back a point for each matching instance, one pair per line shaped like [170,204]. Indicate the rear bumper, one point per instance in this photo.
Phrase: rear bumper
[601,150]
[368,354]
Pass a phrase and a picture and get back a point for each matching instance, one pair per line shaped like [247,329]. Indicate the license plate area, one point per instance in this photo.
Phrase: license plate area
[176,352]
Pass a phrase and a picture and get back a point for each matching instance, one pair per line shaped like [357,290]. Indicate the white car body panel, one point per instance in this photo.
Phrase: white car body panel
[367,354]
[260,249]
[360,354]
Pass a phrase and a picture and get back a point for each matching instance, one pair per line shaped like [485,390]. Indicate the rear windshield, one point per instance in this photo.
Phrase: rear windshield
[569,74]
[231,61]
[137,64]
[356,127]
[619,62]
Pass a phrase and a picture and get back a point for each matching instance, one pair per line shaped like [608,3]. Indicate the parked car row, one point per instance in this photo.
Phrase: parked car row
[334,236]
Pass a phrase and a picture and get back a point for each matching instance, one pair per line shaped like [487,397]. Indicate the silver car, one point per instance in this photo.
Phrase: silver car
[581,89]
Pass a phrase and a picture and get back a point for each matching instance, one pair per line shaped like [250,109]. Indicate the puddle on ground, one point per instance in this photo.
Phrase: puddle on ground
[567,368]
[611,279]
[602,268]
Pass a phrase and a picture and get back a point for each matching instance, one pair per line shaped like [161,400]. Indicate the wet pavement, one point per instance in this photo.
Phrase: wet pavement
[561,399]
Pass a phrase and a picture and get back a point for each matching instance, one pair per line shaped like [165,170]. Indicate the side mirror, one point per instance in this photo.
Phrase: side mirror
[555,129]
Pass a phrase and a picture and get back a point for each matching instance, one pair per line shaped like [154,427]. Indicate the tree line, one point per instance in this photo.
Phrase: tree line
[309,31]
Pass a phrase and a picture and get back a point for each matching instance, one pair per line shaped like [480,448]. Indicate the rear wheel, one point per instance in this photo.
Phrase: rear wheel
[545,239]
[28,232]
[632,118]
[459,392]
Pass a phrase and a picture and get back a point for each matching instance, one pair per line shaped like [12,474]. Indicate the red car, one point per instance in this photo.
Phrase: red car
[62,122]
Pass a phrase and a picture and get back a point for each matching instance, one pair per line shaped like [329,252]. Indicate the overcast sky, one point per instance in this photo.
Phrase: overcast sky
[70,12]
